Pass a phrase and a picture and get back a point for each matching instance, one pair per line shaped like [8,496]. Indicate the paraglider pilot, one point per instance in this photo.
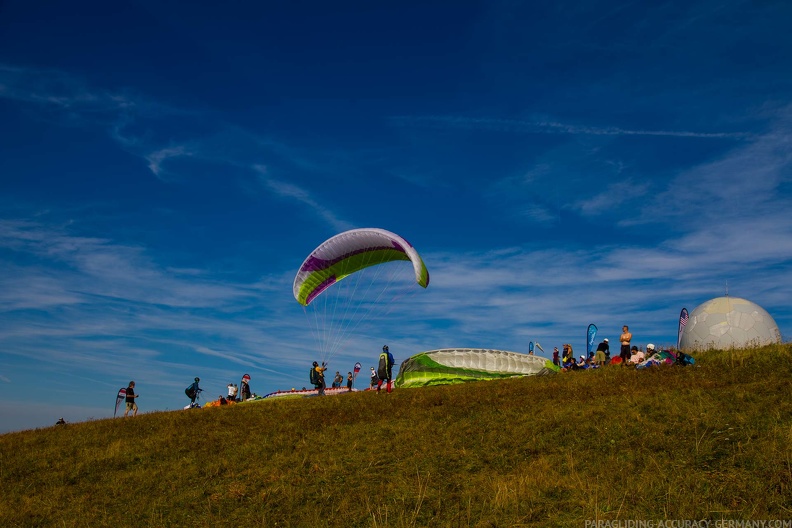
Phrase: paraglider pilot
[385,368]
[192,391]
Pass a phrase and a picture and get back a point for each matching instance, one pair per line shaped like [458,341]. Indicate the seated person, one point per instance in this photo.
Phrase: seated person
[637,355]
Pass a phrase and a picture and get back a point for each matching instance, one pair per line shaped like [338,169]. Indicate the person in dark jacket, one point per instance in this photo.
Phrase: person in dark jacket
[193,391]
[603,352]
[130,400]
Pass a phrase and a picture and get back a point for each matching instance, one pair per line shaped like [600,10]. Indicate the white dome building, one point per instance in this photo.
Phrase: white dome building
[729,322]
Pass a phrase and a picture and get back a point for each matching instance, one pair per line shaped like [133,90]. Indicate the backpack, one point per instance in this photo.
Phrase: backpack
[382,368]
[190,391]
[314,376]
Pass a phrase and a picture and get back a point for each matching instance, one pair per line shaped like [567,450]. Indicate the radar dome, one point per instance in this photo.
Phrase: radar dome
[729,322]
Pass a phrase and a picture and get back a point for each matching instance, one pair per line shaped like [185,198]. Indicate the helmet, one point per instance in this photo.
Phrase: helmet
[385,347]
[197,379]
[315,364]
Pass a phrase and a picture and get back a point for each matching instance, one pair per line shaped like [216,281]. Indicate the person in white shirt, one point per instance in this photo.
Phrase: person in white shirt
[637,356]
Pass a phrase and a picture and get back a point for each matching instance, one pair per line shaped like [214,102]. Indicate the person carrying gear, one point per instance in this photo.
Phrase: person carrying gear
[193,391]
[385,369]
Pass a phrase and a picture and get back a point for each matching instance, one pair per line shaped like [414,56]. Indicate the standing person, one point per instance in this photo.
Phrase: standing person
[192,391]
[567,356]
[349,381]
[625,339]
[130,400]
[235,391]
[338,380]
[555,357]
[320,377]
[230,392]
[245,390]
[603,351]
[385,368]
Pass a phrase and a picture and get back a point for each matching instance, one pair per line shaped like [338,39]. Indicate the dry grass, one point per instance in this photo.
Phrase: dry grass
[708,442]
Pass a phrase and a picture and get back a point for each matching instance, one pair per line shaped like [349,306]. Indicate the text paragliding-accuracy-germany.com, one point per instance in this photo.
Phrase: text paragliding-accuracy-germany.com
[690,523]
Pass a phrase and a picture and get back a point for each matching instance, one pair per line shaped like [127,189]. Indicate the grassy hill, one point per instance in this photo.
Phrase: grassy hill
[706,442]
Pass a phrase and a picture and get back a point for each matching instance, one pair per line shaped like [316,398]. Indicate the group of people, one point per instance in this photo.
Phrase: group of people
[383,375]
[338,381]
[628,354]
[318,378]
[236,393]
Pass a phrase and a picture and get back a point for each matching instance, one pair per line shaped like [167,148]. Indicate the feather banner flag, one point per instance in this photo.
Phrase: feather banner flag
[591,335]
[683,319]
[119,398]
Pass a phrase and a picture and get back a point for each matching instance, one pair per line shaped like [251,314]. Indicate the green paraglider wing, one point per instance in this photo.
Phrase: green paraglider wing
[459,365]
[349,252]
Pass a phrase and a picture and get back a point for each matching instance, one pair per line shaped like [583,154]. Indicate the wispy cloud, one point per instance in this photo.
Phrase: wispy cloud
[540,126]
[302,196]
[155,159]
[538,213]
[614,195]
[58,89]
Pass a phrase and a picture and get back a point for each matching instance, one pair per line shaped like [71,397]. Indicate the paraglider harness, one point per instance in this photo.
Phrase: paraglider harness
[385,366]
[382,367]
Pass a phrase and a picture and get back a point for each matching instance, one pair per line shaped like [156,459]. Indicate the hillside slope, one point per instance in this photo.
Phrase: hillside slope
[705,442]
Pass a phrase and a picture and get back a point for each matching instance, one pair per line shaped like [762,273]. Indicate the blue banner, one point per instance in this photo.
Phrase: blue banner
[591,335]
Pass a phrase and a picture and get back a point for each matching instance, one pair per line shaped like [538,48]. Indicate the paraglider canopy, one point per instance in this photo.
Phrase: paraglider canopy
[459,365]
[349,252]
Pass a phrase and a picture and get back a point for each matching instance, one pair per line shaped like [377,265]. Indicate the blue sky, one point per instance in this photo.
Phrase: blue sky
[165,168]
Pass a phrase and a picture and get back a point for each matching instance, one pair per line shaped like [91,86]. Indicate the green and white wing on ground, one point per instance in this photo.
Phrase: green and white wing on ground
[460,365]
